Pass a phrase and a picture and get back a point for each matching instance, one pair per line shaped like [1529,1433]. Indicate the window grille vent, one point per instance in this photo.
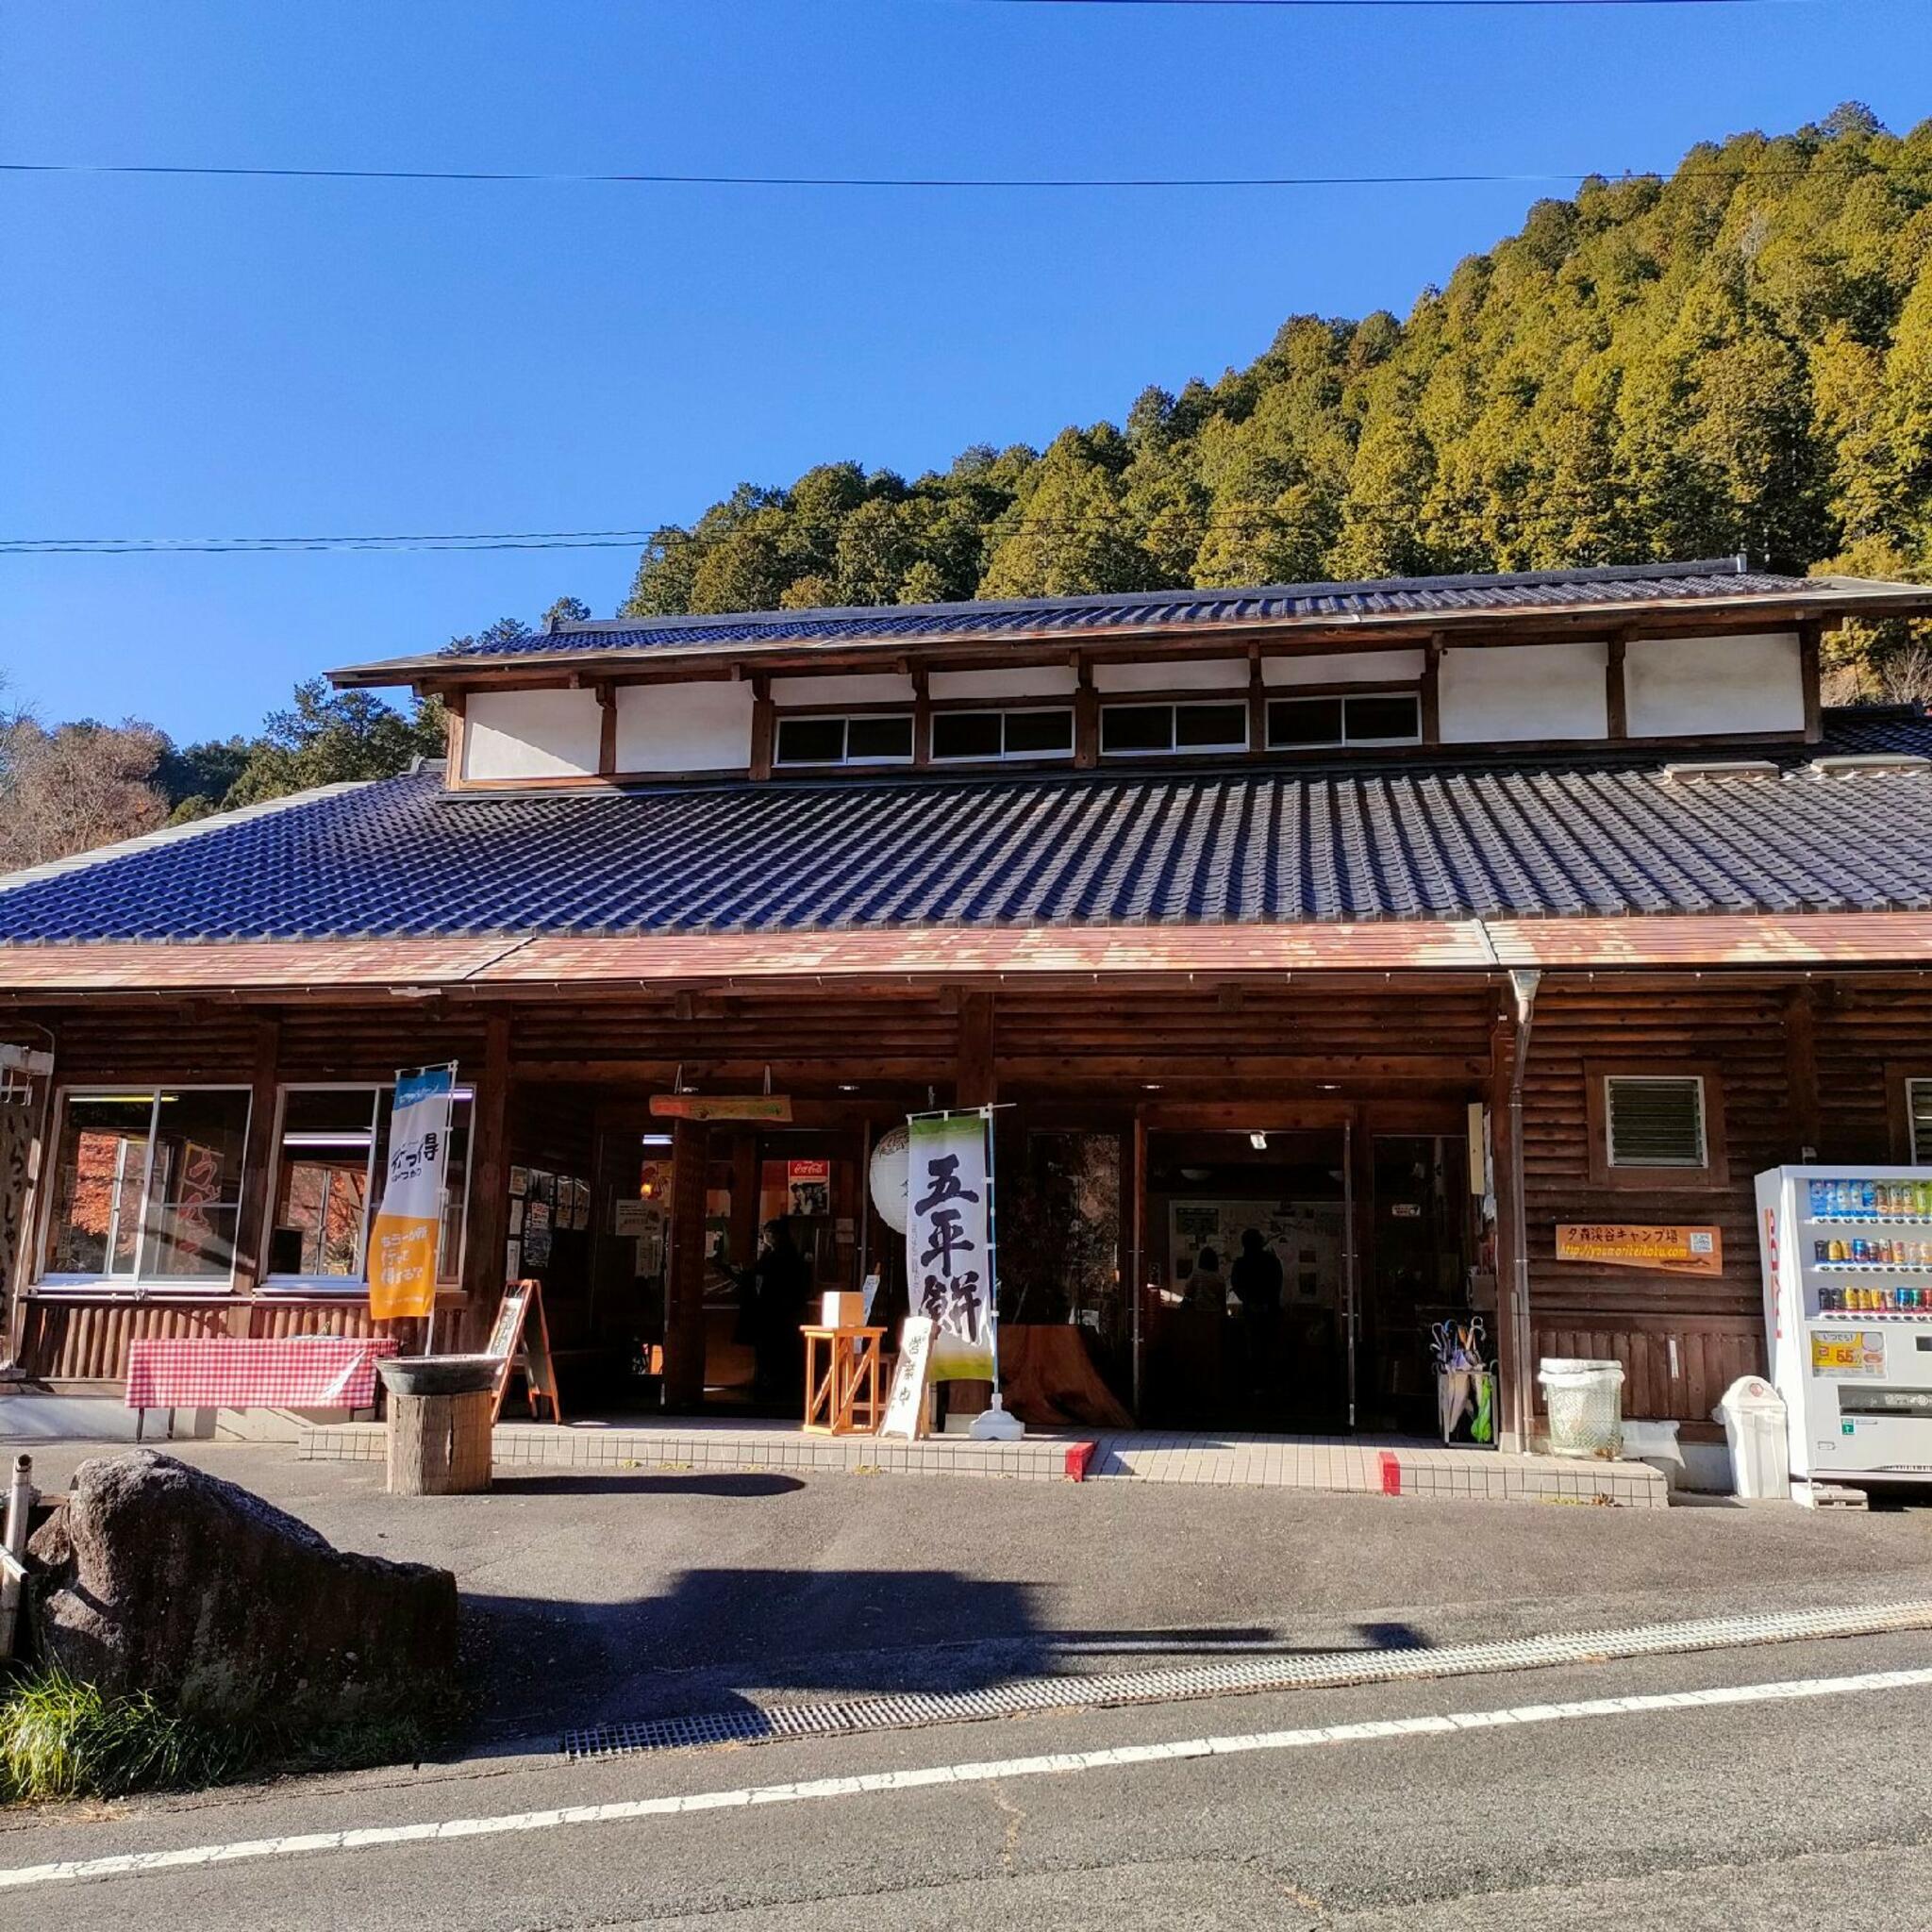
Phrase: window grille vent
[1655,1121]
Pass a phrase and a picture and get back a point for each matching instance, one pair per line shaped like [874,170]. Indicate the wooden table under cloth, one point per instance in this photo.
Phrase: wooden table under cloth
[1047,1377]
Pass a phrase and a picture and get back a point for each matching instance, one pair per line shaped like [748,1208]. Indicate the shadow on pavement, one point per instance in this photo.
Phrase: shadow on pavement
[732,1641]
[748,1484]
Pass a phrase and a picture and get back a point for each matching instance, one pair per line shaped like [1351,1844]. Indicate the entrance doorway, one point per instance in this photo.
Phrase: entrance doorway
[746,1328]
[1251,1266]
[1351,1242]
[1420,1239]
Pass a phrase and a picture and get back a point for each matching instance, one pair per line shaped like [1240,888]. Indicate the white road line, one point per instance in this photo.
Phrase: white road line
[135,1864]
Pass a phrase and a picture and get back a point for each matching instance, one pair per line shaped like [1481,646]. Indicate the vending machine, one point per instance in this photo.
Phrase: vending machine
[1848,1318]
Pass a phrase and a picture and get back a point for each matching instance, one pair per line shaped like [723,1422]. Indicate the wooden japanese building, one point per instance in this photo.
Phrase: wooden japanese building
[1400,922]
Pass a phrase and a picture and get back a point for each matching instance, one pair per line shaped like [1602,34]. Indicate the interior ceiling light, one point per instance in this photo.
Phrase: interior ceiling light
[1258,1142]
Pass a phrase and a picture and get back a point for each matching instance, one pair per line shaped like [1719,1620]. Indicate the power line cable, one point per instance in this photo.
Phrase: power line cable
[1386,3]
[1128,524]
[922,182]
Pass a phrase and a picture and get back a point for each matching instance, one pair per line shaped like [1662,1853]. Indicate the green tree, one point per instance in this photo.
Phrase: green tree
[327,737]
[1734,356]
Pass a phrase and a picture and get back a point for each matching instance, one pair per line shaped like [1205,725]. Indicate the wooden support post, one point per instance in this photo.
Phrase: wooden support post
[1616,690]
[1514,1401]
[922,719]
[486,1233]
[1258,702]
[684,1286]
[1804,1119]
[976,1081]
[606,732]
[453,738]
[745,1176]
[255,1211]
[1432,689]
[764,727]
[1086,718]
[1810,675]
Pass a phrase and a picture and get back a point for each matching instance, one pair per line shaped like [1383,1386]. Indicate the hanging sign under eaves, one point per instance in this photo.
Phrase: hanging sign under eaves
[720,1106]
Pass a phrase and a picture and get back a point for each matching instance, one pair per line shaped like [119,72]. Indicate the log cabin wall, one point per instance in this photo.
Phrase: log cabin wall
[1682,1340]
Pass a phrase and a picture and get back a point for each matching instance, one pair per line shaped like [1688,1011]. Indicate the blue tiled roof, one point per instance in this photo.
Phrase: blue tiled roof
[1633,584]
[1397,840]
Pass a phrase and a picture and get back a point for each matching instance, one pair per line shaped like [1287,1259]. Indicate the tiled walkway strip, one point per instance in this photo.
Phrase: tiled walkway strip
[1360,1464]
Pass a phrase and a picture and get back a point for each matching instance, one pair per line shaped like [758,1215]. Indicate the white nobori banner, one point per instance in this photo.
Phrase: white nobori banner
[949,1245]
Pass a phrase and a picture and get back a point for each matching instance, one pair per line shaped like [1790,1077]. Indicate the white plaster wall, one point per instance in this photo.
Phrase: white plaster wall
[531,734]
[1684,687]
[1503,693]
[701,726]
[1023,681]
[1346,667]
[853,688]
[1212,674]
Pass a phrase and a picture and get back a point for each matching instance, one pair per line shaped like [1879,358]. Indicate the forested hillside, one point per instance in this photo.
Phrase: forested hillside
[1736,358]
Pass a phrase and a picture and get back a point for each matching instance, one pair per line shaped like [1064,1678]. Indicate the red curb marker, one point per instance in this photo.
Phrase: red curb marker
[1391,1473]
[1079,1456]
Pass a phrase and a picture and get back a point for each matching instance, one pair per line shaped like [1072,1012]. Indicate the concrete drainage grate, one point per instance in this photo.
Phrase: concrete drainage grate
[914,1710]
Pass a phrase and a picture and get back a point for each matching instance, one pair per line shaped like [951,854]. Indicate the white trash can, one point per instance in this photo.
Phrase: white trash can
[1753,1413]
[1585,1401]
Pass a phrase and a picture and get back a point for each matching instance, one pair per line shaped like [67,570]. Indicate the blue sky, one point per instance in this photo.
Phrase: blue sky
[187,357]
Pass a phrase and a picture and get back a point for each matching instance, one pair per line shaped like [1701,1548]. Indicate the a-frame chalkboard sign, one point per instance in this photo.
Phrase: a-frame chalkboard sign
[521,1342]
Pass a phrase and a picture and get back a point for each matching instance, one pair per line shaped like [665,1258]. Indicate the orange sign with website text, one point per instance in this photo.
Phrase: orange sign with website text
[1624,1244]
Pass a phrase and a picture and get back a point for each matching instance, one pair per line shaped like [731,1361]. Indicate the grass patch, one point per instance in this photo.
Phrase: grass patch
[60,1739]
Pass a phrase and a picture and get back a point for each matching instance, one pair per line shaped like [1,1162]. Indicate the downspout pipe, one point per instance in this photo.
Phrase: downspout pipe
[1524,983]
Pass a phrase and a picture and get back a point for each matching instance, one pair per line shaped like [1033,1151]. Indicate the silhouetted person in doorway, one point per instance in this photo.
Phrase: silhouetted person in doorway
[781,1280]
[1256,1278]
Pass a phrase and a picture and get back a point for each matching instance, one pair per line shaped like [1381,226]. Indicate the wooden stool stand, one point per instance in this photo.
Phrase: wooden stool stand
[841,1381]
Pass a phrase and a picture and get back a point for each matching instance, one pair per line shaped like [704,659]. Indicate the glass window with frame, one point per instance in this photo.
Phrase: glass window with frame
[867,738]
[1125,729]
[1043,733]
[147,1186]
[1919,1121]
[330,1159]
[1355,718]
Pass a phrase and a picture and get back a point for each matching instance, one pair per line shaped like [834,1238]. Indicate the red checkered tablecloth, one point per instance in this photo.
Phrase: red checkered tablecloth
[294,1372]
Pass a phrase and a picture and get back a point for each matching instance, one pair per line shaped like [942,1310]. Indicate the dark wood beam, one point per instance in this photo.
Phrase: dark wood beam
[253,1211]
[487,1235]
[1811,675]
[976,1081]
[684,1287]
[1804,1118]
[1432,689]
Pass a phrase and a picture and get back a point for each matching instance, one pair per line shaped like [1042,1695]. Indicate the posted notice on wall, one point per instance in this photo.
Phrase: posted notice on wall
[1617,1244]
[402,1246]
[949,1240]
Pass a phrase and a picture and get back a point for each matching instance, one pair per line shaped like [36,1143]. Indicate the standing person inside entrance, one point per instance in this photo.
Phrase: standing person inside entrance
[1256,1278]
[781,1280]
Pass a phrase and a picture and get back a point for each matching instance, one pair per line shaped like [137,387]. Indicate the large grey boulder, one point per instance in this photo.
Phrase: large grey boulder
[158,1577]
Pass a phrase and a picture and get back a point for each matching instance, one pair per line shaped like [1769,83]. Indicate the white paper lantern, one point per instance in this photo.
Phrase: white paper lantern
[888,1178]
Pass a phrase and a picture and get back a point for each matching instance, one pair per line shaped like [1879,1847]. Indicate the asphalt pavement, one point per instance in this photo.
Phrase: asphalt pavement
[1803,1805]
[636,1593]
